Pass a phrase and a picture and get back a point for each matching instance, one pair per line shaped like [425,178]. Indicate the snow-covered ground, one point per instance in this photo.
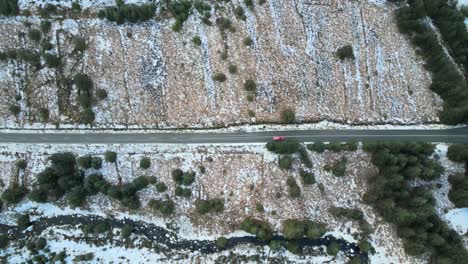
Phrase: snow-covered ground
[157,78]
[243,175]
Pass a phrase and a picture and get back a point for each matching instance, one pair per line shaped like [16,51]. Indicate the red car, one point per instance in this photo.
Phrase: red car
[279,138]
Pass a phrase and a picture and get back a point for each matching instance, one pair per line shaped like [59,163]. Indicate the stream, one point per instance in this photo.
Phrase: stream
[168,238]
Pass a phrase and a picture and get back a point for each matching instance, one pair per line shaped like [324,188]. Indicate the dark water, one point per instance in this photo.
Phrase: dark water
[167,238]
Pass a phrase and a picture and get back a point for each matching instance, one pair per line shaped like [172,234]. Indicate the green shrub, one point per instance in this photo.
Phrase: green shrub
[44,114]
[196,40]
[21,164]
[110,156]
[249,3]
[250,85]
[458,194]
[23,221]
[14,194]
[178,176]
[304,156]
[259,207]
[333,248]
[338,168]
[257,227]
[161,187]
[224,23]
[101,228]
[293,189]
[248,42]
[233,69]
[45,26]
[180,10]
[41,243]
[345,52]
[35,35]
[307,177]
[297,229]
[14,109]
[9,7]
[145,163]
[294,247]
[209,206]
[341,212]
[128,13]
[220,77]
[101,94]
[188,178]
[4,241]
[285,162]
[221,242]
[288,116]
[84,257]
[458,153]
[166,207]
[288,146]
[79,44]
[183,192]
[85,161]
[127,230]
[275,245]
[76,7]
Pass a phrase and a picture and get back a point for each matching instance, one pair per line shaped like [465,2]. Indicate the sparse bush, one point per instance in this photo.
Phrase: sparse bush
[127,230]
[188,178]
[304,156]
[250,85]
[307,177]
[333,248]
[166,207]
[178,175]
[259,228]
[285,162]
[275,245]
[183,192]
[297,229]
[180,10]
[84,257]
[44,114]
[145,163]
[101,228]
[196,40]
[21,164]
[4,241]
[341,212]
[51,61]
[101,94]
[41,243]
[221,242]
[14,194]
[23,221]
[293,189]
[161,187]
[45,26]
[76,7]
[345,52]
[338,168]
[80,44]
[110,156]
[209,206]
[233,69]
[131,13]
[288,116]
[220,77]
[35,35]
[14,109]
[248,42]
[288,146]
[9,7]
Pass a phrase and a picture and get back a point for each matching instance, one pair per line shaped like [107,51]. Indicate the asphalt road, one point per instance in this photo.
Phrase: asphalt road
[458,135]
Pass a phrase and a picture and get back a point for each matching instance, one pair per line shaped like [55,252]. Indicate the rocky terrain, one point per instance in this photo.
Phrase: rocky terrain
[158,78]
